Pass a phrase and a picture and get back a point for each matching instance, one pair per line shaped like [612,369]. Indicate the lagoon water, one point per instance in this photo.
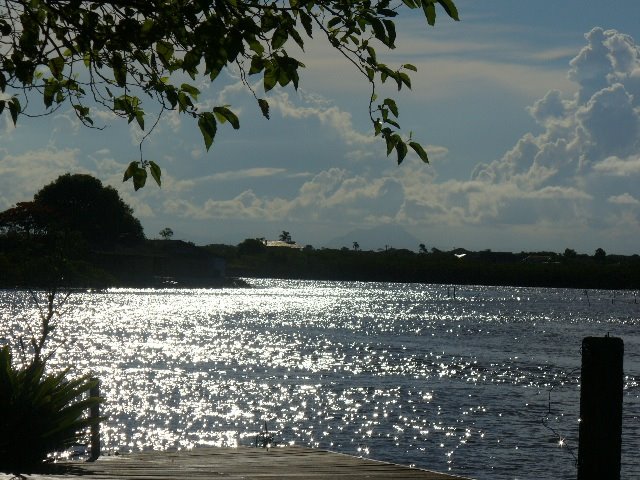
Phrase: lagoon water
[485,384]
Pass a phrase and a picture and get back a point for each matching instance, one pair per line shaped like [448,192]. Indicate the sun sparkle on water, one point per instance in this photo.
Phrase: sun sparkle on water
[396,372]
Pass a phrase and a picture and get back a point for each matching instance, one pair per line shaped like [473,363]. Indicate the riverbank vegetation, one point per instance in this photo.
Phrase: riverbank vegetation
[458,266]
[78,233]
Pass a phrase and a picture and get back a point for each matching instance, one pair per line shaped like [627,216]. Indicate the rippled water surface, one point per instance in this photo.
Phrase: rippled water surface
[485,384]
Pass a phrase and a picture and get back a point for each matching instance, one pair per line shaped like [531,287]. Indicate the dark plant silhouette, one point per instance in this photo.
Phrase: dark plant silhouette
[121,55]
[82,204]
[285,237]
[166,233]
[42,412]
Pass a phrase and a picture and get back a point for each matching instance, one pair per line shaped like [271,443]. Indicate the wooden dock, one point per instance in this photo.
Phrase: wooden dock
[289,463]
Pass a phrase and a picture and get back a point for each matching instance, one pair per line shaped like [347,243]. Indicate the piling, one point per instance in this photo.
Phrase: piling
[601,381]
[94,414]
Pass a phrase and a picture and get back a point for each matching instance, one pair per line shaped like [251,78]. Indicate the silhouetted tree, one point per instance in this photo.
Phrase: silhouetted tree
[83,204]
[600,254]
[570,253]
[251,246]
[166,233]
[285,237]
[422,249]
[26,218]
[356,246]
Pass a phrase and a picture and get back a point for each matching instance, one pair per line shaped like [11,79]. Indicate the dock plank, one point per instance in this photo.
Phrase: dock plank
[244,463]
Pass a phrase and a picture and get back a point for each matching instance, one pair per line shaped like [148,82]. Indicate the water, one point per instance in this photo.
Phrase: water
[485,384]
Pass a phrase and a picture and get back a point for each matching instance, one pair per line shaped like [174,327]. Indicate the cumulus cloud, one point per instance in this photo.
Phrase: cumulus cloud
[577,173]
[23,175]
[624,199]
[619,167]
[336,194]
[316,107]
[587,141]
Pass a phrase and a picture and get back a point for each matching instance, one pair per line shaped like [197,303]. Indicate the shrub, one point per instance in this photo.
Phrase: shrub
[41,413]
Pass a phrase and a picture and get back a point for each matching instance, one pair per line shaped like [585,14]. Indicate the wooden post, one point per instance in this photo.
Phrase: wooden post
[601,381]
[94,413]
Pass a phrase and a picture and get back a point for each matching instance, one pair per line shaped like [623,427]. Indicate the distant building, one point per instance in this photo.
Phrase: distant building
[282,244]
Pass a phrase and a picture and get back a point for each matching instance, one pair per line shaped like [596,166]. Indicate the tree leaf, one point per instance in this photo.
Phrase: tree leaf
[280,37]
[48,95]
[401,150]
[224,114]
[389,102]
[130,171]
[56,65]
[257,65]
[391,122]
[208,128]
[391,31]
[333,22]
[14,109]
[270,76]
[191,90]
[165,52]
[307,23]
[156,173]
[404,78]
[139,178]
[379,30]
[420,151]
[450,8]
[429,11]
[391,142]
[119,69]
[264,107]
[297,38]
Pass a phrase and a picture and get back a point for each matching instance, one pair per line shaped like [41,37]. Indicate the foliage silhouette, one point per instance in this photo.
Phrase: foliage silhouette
[166,233]
[285,237]
[41,413]
[118,52]
[399,265]
[82,204]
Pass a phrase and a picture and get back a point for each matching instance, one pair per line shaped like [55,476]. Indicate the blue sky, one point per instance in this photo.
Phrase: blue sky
[530,111]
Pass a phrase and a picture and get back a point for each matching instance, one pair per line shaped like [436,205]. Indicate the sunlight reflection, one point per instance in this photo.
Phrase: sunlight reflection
[399,373]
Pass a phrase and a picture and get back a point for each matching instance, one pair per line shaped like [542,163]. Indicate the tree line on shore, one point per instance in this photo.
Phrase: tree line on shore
[253,258]
[77,232]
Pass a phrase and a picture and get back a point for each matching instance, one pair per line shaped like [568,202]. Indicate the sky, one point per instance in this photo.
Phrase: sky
[530,112]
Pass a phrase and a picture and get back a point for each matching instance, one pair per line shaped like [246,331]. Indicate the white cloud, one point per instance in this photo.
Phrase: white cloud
[624,199]
[588,139]
[23,175]
[618,167]
[329,115]
[244,173]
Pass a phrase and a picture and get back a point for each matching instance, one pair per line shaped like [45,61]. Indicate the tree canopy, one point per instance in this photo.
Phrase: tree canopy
[115,53]
[82,204]
[285,237]
[52,240]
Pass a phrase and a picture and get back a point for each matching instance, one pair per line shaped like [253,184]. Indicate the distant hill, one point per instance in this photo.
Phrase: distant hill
[377,237]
